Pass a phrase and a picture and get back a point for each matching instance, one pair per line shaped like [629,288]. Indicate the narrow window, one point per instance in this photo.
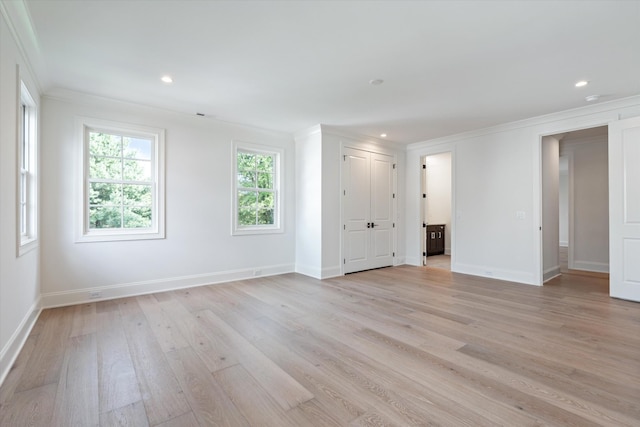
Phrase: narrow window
[257,195]
[27,209]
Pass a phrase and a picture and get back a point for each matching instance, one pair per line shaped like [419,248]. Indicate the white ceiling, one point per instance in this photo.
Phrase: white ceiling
[448,66]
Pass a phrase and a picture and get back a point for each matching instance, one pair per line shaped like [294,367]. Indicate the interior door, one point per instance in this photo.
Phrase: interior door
[624,209]
[356,174]
[368,210]
[381,210]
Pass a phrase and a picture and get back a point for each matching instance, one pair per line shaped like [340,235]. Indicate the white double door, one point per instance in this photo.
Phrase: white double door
[367,210]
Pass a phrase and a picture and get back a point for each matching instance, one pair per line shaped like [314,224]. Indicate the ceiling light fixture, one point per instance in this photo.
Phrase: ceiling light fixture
[383,135]
[592,98]
[582,83]
[166,79]
[376,82]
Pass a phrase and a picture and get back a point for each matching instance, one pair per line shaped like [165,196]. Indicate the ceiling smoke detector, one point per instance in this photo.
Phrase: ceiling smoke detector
[376,82]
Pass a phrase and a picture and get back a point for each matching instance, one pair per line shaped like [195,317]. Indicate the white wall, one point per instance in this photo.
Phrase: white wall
[19,278]
[497,191]
[589,194]
[438,188]
[308,148]
[198,248]
[550,206]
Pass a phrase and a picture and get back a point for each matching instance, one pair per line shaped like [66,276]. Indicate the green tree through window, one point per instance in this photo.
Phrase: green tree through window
[120,191]
[256,189]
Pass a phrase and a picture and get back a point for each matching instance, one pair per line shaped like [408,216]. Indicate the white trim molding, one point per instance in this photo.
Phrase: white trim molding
[123,290]
[12,349]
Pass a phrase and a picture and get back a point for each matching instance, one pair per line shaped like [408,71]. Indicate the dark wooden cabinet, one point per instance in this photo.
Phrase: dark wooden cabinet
[435,239]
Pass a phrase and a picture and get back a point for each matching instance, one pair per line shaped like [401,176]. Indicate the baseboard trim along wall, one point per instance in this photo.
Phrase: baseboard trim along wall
[59,299]
[10,352]
[493,273]
[551,273]
[598,267]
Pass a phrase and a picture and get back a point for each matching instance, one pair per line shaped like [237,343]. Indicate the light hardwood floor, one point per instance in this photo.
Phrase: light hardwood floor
[399,346]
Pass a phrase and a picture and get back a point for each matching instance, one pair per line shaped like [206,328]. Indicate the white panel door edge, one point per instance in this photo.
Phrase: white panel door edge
[624,209]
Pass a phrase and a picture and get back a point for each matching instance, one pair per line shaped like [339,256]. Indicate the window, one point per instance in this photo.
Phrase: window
[27,172]
[256,189]
[123,182]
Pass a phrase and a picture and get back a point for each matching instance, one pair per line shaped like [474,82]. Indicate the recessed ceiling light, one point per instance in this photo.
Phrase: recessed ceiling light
[166,79]
[383,135]
[592,98]
[582,83]
[376,82]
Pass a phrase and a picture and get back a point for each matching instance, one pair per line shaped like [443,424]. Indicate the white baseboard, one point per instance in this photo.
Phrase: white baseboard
[10,352]
[330,272]
[598,267]
[551,273]
[314,272]
[413,260]
[400,260]
[523,277]
[447,251]
[58,299]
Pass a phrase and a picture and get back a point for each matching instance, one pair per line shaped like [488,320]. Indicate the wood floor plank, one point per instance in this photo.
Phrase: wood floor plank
[184,420]
[207,399]
[47,356]
[163,398]
[257,406]
[18,368]
[132,415]
[118,383]
[213,351]
[165,330]
[32,407]
[84,320]
[282,387]
[73,405]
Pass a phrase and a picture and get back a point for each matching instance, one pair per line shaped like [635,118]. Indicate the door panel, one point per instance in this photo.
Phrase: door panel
[368,210]
[624,208]
[382,210]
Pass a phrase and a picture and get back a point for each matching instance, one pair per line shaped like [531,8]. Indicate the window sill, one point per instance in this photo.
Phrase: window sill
[110,236]
[27,246]
[256,231]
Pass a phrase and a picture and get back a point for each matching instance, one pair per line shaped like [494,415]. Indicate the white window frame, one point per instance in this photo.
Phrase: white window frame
[85,125]
[27,172]
[278,154]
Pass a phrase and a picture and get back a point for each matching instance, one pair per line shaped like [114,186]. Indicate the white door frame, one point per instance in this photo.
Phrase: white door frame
[440,149]
[538,195]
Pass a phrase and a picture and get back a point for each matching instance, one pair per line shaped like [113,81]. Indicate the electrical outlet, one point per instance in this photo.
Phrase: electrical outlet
[95,295]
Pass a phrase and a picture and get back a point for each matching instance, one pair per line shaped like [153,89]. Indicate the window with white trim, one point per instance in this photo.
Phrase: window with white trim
[27,172]
[123,191]
[257,194]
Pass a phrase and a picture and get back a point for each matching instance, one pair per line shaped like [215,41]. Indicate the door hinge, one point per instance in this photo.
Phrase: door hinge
[424,225]
[344,260]
[394,225]
[394,195]
[344,192]
[424,196]
[394,254]
[344,227]
[424,254]
[394,165]
[424,166]
[344,158]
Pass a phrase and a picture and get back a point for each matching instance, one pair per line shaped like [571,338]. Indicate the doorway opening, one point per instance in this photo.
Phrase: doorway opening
[575,205]
[436,209]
